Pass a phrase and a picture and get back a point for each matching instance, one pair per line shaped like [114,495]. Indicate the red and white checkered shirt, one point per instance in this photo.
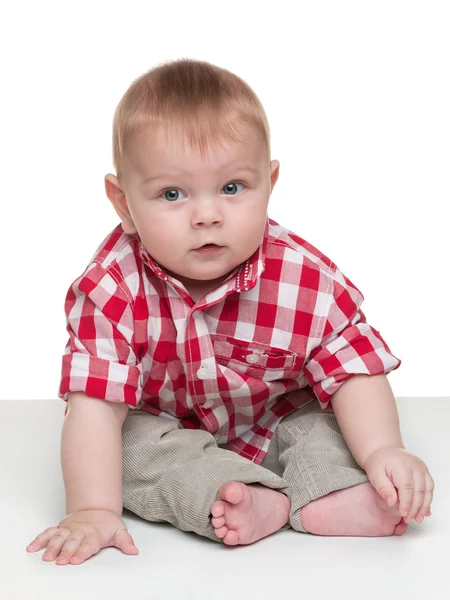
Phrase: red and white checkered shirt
[284,328]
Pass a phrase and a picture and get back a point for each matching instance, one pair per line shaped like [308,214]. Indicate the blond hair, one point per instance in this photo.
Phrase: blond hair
[201,101]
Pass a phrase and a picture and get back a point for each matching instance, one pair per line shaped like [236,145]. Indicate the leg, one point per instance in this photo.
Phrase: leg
[171,474]
[244,514]
[330,494]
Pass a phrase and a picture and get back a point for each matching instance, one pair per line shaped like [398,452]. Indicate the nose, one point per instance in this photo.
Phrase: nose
[207,212]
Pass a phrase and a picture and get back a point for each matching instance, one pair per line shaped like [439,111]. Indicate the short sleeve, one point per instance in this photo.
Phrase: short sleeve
[349,345]
[99,359]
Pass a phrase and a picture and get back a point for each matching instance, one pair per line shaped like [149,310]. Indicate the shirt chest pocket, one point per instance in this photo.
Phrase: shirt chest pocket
[255,360]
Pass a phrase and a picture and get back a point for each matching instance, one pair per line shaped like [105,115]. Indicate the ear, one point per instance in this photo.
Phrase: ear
[118,199]
[274,172]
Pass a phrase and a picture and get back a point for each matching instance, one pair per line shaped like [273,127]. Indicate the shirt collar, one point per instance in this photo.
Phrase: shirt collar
[245,275]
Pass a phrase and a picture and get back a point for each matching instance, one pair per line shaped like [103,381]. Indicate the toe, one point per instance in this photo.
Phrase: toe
[400,528]
[221,532]
[232,491]
[217,509]
[232,538]
[219,522]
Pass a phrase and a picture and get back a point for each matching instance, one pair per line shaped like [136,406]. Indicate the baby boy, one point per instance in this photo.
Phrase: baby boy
[220,374]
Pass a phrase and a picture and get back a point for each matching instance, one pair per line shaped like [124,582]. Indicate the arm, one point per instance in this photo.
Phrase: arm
[366,411]
[91,453]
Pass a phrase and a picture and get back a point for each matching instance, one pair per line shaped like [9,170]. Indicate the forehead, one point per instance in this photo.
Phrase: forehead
[157,147]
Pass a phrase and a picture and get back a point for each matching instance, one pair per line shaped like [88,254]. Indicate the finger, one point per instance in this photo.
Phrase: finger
[125,542]
[42,539]
[428,498]
[384,487]
[56,543]
[405,488]
[90,546]
[73,543]
[418,495]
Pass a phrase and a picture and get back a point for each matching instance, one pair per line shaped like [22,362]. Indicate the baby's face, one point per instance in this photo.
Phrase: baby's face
[178,202]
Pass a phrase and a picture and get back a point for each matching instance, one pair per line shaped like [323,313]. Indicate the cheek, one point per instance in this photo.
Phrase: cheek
[148,216]
[157,230]
[251,231]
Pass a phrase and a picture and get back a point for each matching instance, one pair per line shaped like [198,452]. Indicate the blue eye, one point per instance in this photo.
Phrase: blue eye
[231,184]
[173,192]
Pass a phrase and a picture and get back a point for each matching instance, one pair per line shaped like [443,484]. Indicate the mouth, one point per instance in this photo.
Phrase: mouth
[209,249]
[206,246]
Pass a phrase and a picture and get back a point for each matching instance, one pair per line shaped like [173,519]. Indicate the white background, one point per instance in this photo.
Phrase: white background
[357,95]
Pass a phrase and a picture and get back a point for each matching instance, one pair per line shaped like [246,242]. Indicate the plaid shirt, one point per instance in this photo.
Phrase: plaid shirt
[284,328]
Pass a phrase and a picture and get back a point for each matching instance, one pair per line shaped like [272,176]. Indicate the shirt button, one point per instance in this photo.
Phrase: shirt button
[201,373]
[252,358]
[208,404]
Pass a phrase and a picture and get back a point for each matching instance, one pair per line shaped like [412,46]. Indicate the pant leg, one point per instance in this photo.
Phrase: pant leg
[172,474]
[313,458]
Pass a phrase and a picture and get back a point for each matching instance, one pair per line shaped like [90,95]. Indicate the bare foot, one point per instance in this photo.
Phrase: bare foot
[402,525]
[355,511]
[246,513]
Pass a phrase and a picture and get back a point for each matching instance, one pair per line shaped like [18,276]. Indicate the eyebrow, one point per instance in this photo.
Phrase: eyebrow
[182,171]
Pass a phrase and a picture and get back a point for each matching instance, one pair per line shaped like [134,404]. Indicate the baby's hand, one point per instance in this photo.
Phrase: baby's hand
[82,534]
[394,471]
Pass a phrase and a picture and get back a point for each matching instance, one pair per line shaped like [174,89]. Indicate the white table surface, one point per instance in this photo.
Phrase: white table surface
[175,564]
